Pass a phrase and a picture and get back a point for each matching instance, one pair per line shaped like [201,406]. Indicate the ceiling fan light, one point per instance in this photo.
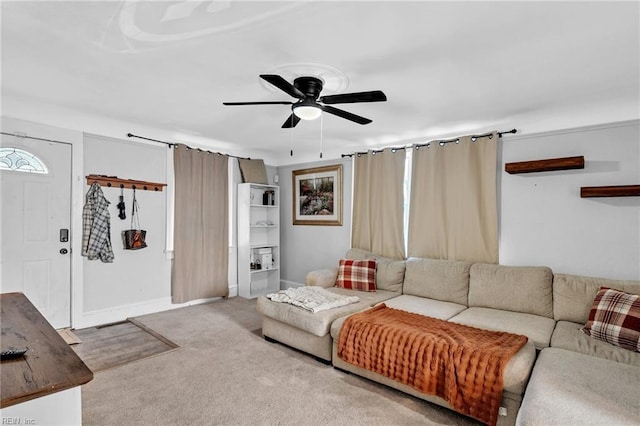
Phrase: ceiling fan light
[307,112]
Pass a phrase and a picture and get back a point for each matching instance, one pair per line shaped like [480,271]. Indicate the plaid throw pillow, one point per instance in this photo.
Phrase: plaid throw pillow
[357,274]
[615,318]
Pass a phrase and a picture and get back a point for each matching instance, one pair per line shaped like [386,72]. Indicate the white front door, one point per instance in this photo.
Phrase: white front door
[36,210]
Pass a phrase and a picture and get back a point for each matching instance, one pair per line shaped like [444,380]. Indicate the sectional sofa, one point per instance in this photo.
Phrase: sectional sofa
[560,376]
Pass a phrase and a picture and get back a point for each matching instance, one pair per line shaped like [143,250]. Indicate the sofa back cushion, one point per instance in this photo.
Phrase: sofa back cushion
[573,295]
[389,272]
[444,280]
[525,289]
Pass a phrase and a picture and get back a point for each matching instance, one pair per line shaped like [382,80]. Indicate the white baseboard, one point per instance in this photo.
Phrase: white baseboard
[284,284]
[233,290]
[121,313]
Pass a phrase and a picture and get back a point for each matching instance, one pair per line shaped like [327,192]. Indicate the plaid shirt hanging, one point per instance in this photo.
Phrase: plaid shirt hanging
[96,226]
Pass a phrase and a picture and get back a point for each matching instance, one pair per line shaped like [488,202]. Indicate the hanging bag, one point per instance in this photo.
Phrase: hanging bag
[134,238]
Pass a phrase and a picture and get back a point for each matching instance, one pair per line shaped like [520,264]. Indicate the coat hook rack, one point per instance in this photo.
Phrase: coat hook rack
[114,181]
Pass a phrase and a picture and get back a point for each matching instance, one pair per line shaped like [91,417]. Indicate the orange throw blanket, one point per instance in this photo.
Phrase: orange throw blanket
[458,363]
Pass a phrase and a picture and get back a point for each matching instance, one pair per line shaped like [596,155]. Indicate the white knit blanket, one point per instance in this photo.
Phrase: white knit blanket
[311,298]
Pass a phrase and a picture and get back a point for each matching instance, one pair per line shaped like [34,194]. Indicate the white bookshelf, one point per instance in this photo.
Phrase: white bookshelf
[258,236]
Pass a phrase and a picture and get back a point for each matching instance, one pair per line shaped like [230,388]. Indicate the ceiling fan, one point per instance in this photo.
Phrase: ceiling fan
[310,104]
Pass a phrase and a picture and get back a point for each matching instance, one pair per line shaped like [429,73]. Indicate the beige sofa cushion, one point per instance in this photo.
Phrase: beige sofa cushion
[427,307]
[389,272]
[318,323]
[537,328]
[567,335]
[444,280]
[568,388]
[525,289]
[573,295]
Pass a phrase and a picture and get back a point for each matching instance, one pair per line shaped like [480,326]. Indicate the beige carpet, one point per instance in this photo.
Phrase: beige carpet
[225,373]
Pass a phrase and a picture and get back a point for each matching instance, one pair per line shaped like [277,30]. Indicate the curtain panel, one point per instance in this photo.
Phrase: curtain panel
[453,207]
[378,203]
[201,225]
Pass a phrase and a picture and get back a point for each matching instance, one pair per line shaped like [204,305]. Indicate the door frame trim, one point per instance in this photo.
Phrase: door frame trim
[77,204]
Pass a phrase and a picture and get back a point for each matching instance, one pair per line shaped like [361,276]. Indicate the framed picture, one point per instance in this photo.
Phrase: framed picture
[317,196]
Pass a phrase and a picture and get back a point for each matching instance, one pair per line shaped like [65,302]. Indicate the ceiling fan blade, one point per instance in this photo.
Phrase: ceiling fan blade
[291,121]
[283,85]
[344,114]
[259,103]
[347,98]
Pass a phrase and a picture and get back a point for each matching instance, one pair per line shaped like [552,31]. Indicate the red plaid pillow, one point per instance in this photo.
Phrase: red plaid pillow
[357,274]
[615,318]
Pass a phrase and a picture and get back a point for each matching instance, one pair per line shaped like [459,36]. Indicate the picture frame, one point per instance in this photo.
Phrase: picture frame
[317,196]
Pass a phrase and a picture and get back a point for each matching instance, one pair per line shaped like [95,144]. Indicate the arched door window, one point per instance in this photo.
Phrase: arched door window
[19,160]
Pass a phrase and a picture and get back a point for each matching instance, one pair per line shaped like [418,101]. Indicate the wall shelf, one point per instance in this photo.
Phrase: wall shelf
[551,164]
[116,182]
[610,191]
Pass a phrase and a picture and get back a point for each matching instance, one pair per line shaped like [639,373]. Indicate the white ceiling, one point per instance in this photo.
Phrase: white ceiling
[447,68]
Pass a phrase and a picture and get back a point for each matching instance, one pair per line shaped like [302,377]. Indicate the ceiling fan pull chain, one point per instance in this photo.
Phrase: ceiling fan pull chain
[293,129]
[321,129]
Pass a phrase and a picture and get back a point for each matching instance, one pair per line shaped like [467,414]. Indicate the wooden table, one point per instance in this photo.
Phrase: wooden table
[48,367]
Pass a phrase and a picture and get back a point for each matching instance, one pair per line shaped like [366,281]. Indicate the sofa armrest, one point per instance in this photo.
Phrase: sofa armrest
[322,278]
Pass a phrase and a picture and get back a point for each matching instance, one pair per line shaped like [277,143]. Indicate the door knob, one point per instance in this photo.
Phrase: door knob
[64,251]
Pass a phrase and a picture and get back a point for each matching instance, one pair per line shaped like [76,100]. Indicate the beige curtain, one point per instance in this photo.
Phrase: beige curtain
[378,206]
[453,213]
[201,225]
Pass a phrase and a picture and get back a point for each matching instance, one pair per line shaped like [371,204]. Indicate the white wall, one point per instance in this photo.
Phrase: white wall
[138,282]
[304,247]
[545,222]
[135,276]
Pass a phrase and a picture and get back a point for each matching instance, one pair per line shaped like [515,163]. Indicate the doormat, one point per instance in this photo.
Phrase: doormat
[69,336]
[120,343]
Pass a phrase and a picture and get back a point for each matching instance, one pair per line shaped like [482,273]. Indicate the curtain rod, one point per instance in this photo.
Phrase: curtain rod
[440,142]
[131,135]
[25,136]
[172,144]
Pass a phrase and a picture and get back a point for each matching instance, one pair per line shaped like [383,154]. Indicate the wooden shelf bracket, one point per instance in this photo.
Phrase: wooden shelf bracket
[116,182]
[551,164]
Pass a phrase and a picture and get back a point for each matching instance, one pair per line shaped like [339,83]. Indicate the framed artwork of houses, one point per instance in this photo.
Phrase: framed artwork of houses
[317,196]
